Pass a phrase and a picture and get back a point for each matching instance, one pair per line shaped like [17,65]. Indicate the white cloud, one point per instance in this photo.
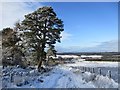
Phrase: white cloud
[19,0]
[0,15]
[108,46]
[65,36]
[14,11]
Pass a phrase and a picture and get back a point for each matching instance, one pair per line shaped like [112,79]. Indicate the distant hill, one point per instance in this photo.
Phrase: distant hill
[90,53]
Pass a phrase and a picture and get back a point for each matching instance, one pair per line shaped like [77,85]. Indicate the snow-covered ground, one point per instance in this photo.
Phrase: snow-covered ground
[61,76]
[69,56]
[81,62]
[97,65]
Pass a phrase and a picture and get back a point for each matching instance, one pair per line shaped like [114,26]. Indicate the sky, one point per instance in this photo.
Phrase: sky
[88,26]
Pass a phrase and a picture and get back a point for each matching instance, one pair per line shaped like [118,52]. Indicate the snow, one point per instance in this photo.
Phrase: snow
[93,56]
[80,62]
[69,56]
[105,82]
[61,76]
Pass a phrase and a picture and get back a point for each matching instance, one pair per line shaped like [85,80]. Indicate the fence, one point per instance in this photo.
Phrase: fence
[97,71]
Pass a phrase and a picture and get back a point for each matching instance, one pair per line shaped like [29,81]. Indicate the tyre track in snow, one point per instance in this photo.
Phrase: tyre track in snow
[50,81]
[65,78]
[65,81]
[58,78]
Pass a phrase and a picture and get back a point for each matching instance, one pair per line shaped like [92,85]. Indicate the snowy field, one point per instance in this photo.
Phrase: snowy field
[81,62]
[104,66]
[61,76]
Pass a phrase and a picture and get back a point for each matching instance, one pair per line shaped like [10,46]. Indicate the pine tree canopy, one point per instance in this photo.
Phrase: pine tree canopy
[42,28]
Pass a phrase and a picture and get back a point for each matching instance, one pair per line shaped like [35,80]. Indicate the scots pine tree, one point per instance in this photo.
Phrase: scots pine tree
[43,29]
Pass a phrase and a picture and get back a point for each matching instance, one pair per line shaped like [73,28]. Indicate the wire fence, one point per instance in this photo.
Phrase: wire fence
[97,71]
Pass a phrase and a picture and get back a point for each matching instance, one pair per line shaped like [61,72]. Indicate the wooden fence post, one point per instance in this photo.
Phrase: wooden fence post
[109,73]
[11,77]
[93,70]
[99,71]
[85,69]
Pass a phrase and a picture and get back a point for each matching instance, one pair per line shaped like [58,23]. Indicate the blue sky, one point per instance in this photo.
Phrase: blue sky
[86,25]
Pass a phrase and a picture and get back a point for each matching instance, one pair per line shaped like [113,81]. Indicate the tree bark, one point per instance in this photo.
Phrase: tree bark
[41,57]
[39,64]
[42,48]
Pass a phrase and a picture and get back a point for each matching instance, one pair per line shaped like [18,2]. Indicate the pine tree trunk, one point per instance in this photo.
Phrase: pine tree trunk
[42,49]
[39,65]
[41,57]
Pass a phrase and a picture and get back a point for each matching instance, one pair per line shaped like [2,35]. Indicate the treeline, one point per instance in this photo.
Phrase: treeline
[32,40]
[106,56]
[89,53]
